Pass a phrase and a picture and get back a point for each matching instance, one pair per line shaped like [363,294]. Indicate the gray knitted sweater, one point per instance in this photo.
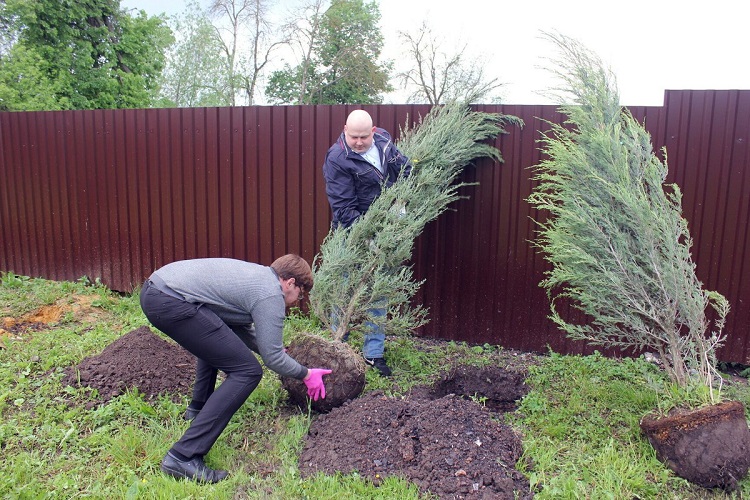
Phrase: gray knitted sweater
[241,294]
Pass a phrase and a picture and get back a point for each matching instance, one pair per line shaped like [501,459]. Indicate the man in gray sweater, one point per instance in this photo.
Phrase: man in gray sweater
[221,310]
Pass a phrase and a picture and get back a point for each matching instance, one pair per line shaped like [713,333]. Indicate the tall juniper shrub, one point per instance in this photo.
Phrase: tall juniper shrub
[614,233]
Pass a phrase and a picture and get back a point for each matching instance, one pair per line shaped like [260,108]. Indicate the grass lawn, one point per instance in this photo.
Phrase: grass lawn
[579,422]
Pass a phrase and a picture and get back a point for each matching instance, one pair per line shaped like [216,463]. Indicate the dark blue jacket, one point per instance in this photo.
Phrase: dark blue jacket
[352,183]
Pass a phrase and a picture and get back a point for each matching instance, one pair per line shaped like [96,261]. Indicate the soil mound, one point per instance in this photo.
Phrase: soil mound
[442,437]
[139,359]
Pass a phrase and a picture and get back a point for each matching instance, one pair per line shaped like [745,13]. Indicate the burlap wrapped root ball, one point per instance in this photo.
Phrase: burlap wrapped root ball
[346,381]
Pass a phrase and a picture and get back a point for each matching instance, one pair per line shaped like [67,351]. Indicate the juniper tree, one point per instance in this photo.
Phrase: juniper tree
[615,235]
[365,266]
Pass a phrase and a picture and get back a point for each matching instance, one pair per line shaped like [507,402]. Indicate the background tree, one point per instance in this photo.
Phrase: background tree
[221,53]
[237,22]
[80,55]
[435,76]
[338,52]
[196,74]
[289,85]
[262,45]
[7,30]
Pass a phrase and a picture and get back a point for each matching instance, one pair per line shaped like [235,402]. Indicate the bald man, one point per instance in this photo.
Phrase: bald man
[357,166]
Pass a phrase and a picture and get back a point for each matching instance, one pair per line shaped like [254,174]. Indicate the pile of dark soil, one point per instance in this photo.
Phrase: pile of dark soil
[138,360]
[450,446]
[446,438]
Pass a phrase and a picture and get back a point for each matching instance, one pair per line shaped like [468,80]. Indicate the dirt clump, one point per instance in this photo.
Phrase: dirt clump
[707,446]
[138,360]
[45,314]
[451,447]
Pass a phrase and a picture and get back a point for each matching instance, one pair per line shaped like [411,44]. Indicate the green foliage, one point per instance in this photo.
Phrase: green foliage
[362,267]
[195,73]
[24,84]
[616,239]
[288,85]
[12,280]
[340,65]
[581,432]
[80,55]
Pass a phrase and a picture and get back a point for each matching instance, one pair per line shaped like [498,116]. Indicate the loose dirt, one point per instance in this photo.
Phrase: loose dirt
[137,360]
[447,437]
[450,446]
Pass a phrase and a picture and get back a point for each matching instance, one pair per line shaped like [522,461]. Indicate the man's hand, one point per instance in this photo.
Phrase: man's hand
[314,382]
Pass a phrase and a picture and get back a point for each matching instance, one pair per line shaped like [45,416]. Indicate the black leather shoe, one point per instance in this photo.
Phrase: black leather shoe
[194,469]
[190,414]
[380,365]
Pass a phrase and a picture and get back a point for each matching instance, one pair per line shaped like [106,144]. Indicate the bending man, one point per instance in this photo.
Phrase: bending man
[219,310]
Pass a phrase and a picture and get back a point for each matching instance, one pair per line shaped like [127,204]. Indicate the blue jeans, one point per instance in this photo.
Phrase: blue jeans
[374,343]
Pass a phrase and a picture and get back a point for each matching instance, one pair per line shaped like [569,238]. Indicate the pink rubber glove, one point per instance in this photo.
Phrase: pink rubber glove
[315,387]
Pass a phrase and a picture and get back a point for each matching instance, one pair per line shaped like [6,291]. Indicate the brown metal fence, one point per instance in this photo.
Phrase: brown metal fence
[114,194]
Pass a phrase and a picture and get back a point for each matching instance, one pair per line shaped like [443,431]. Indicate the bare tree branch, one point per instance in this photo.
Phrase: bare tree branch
[438,76]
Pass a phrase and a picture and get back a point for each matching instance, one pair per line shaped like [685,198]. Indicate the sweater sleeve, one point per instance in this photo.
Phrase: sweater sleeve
[268,315]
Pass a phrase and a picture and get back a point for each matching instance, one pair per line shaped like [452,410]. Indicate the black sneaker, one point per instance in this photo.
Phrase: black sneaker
[194,469]
[190,414]
[380,364]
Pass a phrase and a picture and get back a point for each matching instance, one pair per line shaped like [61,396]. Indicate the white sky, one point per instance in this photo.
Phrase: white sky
[650,45]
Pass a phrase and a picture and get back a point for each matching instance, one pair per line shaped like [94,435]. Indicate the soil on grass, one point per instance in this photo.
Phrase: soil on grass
[450,446]
[138,360]
[446,437]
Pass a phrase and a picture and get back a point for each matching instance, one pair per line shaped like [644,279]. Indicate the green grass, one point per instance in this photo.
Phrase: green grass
[579,422]
[581,435]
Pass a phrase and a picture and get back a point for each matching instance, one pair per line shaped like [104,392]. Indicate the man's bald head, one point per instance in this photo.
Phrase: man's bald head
[359,118]
[359,130]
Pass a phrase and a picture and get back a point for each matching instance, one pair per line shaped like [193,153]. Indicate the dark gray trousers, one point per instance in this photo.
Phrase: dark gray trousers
[216,347]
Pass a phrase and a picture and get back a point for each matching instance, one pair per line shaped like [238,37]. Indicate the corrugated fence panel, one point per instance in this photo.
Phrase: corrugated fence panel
[735,264]
[481,273]
[706,142]
[114,194]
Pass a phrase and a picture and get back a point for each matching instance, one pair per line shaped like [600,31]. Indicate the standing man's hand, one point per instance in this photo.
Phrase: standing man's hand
[314,382]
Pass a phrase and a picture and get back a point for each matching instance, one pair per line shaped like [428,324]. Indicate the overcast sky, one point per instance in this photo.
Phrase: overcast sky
[650,45]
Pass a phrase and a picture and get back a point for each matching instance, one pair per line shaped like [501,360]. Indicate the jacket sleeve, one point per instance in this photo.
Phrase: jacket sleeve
[401,161]
[341,192]
[395,159]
